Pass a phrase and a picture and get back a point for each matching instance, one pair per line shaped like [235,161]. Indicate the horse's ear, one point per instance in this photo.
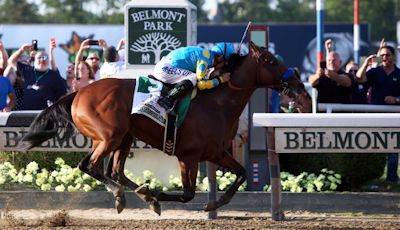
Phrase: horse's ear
[254,48]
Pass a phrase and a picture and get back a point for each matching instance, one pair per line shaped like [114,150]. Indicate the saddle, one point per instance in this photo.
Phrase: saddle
[147,92]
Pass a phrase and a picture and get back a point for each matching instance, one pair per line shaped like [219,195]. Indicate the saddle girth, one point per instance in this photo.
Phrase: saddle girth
[170,135]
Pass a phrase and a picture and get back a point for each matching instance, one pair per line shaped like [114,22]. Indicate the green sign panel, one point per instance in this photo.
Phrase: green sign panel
[154,32]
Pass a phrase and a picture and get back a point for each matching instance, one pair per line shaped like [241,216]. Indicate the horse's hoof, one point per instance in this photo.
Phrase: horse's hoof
[155,206]
[120,203]
[211,206]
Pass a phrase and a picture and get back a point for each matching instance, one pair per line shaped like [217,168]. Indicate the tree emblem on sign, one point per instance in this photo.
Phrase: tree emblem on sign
[155,43]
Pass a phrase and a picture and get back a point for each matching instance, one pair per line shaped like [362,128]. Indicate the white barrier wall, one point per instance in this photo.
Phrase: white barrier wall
[333,132]
[144,157]
[324,132]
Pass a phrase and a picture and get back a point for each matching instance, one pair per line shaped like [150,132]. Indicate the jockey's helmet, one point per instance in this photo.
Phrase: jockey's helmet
[224,49]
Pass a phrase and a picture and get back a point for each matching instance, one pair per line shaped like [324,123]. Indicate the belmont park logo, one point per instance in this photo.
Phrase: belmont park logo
[154,32]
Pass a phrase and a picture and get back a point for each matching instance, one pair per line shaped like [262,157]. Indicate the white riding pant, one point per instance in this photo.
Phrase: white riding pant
[165,72]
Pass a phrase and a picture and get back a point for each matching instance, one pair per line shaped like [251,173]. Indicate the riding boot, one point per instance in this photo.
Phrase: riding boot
[168,102]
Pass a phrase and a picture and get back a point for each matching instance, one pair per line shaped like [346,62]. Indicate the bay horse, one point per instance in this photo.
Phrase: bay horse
[102,112]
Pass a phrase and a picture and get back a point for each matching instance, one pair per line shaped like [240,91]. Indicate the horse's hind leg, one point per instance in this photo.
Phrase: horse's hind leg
[225,160]
[115,170]
[90,164]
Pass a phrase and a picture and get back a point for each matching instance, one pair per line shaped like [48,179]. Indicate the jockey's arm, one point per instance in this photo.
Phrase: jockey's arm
[201,72]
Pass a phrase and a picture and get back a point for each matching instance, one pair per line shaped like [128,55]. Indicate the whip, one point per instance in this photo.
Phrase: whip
[244,35]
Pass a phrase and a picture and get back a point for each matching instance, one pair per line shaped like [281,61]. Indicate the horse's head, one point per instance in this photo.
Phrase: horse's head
[273,74]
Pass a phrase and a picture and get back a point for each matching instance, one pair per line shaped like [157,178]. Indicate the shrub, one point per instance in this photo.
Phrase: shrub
[43,159]
[328,180]
[355,169]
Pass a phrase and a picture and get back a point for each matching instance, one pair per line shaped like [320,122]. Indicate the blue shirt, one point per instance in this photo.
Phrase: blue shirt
[40,87]
[197,60]
[383,85]
[5,89]
[188,57]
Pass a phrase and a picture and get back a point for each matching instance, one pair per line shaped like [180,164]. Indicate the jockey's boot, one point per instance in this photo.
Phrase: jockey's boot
[168,102]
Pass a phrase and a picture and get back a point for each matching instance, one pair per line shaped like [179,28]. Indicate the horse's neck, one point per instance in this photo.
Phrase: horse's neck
[235,99]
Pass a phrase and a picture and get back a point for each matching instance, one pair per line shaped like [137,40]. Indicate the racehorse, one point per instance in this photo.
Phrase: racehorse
[102,112]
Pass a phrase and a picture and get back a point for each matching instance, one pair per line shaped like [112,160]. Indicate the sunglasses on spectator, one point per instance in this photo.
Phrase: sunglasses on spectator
[94,58]
[43,58]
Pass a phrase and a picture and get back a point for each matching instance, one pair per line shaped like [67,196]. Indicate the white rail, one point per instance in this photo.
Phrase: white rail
[332,107]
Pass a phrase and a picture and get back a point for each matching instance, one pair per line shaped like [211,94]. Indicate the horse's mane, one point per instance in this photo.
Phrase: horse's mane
[233,62]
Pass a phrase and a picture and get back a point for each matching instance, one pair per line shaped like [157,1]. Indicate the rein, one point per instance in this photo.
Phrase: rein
[282,84]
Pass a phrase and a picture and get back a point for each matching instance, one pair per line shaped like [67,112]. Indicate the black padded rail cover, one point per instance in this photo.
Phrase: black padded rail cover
[20,119]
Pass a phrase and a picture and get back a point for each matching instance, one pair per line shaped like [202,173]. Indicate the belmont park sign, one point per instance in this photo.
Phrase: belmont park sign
[155,28]
[153,33]
[323,140]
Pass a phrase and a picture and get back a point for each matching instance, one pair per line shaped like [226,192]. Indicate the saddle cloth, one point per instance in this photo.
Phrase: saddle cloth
[147,92]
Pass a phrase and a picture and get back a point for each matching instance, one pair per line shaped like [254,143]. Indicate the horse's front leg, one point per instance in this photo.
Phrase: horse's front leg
[226,161]
[188,175]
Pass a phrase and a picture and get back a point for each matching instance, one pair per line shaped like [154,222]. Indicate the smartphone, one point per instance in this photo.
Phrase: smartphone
[322,65]
[53,41]
[94,42]
[35,44]
[378,59]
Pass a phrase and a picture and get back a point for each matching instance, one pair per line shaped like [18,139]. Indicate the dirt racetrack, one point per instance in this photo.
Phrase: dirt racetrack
[181,219]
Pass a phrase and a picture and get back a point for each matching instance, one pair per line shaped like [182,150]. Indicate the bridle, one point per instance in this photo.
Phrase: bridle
[283,84]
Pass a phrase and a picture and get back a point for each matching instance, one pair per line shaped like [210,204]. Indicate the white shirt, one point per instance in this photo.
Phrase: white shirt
[110,68]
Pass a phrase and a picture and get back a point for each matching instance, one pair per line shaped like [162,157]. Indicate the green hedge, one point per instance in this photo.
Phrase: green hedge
[44,159]
[355,169]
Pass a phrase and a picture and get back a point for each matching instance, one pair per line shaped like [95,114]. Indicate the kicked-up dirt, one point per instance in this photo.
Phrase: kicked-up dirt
[181,219]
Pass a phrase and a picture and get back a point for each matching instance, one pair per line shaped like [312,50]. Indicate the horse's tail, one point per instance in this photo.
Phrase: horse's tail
[50,122]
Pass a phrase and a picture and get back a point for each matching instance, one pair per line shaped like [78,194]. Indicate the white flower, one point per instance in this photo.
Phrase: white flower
[87,188]
[32,167]
[28,178]
[147,174]
[2,180]
[71,188]
[40,181]
[54,174]
[60,188]
[59,161]
[45,187]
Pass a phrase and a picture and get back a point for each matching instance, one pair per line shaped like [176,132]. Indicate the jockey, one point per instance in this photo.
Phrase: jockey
[189,66]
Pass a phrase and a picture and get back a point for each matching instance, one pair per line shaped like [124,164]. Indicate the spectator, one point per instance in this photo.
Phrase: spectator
[3,58]
[112,64]
[384,82]
[358,90]
[93,58]
[84,76]
[70,76]
[332,83]
[16,80]
[121,49]
[6,92]
[42,86]
[52,60]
